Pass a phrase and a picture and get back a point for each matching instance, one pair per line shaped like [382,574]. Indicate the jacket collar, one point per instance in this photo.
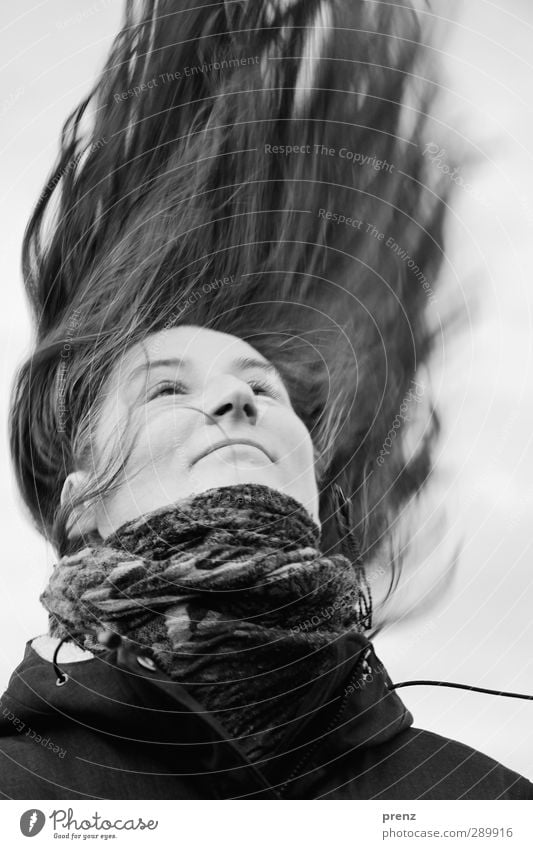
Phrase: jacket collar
[351,707]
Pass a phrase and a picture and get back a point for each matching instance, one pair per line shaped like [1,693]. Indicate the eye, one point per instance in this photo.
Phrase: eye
[167,388]
[263,387]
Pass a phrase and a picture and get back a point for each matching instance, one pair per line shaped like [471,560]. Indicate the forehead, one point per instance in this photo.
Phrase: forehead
[200,345]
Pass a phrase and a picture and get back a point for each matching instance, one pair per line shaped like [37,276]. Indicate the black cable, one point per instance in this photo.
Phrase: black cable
[462,687]
[62,677]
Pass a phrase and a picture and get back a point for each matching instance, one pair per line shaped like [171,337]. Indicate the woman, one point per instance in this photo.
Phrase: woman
[205,557]
[231,310]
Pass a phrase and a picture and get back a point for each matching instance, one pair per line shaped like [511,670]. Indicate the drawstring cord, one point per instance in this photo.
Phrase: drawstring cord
[62,677]
[107,638]
[462,687]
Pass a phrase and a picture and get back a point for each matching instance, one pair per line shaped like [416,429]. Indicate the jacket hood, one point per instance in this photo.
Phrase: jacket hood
[120,689]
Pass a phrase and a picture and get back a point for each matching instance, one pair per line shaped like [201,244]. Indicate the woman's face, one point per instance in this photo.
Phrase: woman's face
[207,411]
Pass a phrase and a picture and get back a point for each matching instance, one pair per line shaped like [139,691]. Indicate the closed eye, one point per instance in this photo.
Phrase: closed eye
[259,387]
[263,387]
[167,388]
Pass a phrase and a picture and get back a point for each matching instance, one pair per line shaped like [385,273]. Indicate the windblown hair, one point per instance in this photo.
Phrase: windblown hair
[258,168]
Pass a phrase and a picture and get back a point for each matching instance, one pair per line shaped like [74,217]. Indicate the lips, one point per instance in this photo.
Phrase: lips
[226,442]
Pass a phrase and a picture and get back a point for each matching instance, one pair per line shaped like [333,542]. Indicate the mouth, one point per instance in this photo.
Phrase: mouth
[226,442]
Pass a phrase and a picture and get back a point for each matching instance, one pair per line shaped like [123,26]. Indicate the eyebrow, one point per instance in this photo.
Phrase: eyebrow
[238,363]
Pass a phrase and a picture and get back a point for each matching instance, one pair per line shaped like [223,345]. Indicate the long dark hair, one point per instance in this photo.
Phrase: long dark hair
[255,167]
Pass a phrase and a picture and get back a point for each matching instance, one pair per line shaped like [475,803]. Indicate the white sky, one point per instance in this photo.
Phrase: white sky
[481,633]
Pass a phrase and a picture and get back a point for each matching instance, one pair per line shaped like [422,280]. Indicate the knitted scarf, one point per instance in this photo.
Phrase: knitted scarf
[230,595]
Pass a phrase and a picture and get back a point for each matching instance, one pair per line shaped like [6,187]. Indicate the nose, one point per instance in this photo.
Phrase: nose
[230,400]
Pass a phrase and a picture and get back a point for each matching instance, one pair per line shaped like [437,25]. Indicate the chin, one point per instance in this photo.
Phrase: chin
[266,475]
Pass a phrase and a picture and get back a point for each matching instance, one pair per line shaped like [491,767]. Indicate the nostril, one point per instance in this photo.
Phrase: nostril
[249,410]
[222,410]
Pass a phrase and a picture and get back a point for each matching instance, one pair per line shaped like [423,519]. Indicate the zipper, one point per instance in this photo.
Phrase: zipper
[361,666]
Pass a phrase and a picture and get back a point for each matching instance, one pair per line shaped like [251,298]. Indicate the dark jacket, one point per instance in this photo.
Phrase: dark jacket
[117,729]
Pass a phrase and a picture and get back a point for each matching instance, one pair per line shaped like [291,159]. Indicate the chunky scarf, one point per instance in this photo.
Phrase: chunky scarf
[229,593]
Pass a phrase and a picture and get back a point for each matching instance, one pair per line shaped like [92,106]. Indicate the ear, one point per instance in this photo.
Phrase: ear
[83,517]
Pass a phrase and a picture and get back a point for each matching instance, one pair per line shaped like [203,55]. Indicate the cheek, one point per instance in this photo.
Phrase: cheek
[159,438]
[296,440]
